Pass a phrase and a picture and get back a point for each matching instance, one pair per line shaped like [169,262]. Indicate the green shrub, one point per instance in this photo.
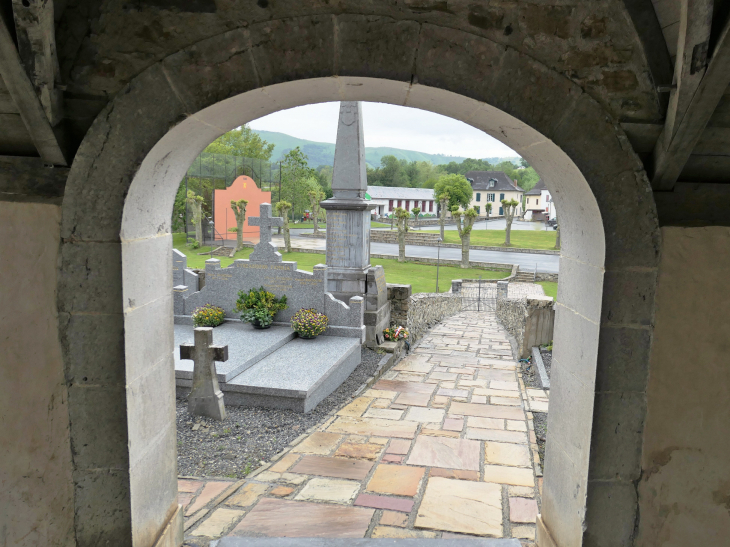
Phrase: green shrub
[259,305]
[208,316]
[193,243]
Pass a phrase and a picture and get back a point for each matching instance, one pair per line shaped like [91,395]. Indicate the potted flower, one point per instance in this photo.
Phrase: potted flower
[259,307]
[393,334]
[309,323]
[208,316]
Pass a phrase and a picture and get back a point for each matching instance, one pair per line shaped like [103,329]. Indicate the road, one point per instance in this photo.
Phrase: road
[526,261]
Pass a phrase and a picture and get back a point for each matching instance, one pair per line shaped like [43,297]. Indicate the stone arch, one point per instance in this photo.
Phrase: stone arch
[114,294]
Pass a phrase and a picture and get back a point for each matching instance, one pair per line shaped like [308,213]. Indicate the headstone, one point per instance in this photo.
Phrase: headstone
[206,398]
[265,251]
[348,213]
[179,263]
[377,306]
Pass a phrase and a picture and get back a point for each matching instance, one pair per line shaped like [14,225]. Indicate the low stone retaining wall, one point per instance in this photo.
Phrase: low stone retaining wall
[529,320]
[546,277]
[427,309]
[412,238]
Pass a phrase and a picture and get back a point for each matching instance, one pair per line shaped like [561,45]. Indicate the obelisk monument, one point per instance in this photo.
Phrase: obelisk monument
[348,213]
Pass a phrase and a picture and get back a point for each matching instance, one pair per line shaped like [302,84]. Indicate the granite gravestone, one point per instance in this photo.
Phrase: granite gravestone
[302,289]
[377,306]
[348,213]
[206,398]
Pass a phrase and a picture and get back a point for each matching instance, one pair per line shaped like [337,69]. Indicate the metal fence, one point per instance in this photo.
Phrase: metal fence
[478,295]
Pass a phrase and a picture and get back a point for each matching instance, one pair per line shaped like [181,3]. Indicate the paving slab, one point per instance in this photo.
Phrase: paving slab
[362,542]
[299,519]
[343,468]
[445,452]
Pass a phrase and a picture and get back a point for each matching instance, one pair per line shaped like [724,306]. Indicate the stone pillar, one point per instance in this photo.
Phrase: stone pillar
[348,213]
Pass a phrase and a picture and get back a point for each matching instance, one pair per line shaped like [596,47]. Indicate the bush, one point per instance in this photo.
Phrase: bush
[208,316]
[259,305]
[193,243]
[309,322]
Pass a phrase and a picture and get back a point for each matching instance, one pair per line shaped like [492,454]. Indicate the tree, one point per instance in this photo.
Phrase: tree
[470,216]
[295,179]
[196,208]
[443,203]
[459,190]
[401,216]
[282,209]
[239,209]
[416,211]
[244,142]
[487,209]
[510,206]
[315,196]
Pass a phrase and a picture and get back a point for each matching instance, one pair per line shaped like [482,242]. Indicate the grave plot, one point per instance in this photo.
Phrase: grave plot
[271,368]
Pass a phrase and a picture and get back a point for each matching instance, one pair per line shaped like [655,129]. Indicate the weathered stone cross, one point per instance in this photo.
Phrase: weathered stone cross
[264,250]
[206,398]
[265,222]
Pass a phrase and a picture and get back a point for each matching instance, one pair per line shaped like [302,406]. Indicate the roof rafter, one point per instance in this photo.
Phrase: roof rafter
[698,93]
[23,93]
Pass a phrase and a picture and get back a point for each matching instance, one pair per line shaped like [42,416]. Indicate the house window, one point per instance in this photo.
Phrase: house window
[479,197]
[430,206]
[390,204]
[399,203]
[477,208]
[501,210]
[528,201]
[490,197]
[501,197]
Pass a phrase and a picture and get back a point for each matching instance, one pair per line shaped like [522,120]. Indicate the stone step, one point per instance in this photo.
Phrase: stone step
[246,347]
[297,376]
[362,542]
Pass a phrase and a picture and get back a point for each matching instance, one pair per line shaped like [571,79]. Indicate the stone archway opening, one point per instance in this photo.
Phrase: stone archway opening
[146,240]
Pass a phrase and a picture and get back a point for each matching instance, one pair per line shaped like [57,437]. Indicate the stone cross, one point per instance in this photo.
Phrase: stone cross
[265,251]
[206,398]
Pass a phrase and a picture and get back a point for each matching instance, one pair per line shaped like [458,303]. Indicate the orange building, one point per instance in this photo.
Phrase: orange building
[242,188]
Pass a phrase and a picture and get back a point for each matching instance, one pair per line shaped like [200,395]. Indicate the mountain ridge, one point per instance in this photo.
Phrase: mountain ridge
[323,153]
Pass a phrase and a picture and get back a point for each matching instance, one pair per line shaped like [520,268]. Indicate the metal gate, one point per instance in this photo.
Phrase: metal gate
[478,295]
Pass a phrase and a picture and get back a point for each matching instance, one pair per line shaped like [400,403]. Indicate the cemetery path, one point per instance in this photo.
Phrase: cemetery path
[443,445]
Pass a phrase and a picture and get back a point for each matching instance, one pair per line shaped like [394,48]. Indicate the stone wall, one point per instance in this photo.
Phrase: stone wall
[37,499]
[546,277]
[412,238]
[399,296]
[427,309]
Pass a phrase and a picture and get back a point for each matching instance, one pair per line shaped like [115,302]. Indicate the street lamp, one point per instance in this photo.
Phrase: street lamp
[438,262]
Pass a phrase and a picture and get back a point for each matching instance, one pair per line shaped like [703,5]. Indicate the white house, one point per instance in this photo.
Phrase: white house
[387,198]
[539,204]
[492,187]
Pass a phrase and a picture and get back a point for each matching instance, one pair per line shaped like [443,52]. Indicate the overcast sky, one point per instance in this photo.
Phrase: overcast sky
[388,125]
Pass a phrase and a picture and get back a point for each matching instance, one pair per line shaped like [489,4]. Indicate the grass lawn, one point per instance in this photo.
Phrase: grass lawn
[550,288]
[421,277]
[524,239]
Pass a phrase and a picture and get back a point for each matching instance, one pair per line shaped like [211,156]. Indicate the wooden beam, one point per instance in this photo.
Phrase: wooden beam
[36,37]
[29,105]
[683,130]
[29,179]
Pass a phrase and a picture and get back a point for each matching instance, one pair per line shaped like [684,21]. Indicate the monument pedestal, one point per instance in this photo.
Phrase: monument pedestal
[348,246]
[377,306]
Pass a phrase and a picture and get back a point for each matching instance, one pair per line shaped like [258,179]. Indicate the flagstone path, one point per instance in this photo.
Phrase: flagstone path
[441,446]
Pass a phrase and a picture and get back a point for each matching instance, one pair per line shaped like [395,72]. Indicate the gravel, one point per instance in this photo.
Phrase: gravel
[249,437]
[531,378]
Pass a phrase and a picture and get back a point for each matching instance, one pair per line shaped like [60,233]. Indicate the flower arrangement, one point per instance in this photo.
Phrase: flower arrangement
[395,333]
[309,323]
[259,307]
[208,316]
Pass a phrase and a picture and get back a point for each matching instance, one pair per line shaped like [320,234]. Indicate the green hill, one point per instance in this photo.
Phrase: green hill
[322,153]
